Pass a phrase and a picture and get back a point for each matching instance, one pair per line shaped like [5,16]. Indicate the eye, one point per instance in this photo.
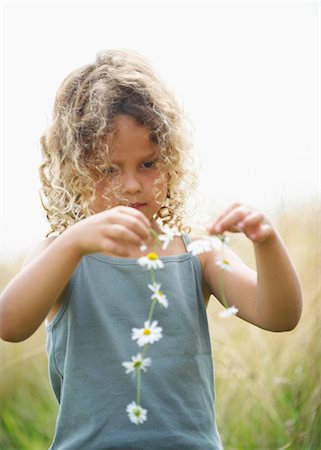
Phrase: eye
[148,164]
[111,170]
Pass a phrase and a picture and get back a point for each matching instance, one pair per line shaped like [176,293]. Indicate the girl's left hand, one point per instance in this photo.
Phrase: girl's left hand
[239,218]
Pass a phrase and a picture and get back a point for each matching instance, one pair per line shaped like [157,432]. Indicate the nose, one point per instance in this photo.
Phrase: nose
[131,184]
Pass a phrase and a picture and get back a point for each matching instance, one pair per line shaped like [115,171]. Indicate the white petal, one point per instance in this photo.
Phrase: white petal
[129,366]
[143,261]
[155,287]
[216,243]
[199,246]
[158,264]
[161,299]
[228,312]
[147,362]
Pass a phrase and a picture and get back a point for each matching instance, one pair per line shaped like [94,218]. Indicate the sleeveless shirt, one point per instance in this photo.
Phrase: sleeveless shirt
[90,336]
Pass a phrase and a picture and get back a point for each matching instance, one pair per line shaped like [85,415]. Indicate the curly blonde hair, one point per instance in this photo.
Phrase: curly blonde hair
[74,146]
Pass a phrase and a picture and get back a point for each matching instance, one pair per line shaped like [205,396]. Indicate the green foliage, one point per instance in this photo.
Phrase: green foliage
[28,410]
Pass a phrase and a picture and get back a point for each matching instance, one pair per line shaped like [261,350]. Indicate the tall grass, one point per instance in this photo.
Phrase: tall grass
[268,390]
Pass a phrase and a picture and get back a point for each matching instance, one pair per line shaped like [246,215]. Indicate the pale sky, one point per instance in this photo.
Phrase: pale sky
[246,73]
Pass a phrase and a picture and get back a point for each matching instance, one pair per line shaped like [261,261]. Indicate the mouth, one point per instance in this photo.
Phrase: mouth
[137,205]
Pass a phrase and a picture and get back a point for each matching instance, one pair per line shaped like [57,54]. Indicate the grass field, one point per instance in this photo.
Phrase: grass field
[268,385]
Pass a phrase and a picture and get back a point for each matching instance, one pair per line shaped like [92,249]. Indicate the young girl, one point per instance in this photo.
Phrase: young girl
[116,168]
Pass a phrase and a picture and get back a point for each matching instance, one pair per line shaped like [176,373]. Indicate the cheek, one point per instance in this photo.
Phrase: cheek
[104,193]
[159,179]
[159,183]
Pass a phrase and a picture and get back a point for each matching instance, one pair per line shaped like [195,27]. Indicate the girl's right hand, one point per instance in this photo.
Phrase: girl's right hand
[111,231]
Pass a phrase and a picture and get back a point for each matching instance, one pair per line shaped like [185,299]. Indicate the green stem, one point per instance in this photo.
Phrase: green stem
[138,374]
[222,290]
[145,350]
[152,275]
[156,241]
[152,310]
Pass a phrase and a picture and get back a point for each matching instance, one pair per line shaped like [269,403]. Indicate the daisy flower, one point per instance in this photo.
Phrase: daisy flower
[151,261]
[159,295]
[167,236]
[223,264]
[203,245]
[228,312]
[137,362]
[147,335]
[136,413]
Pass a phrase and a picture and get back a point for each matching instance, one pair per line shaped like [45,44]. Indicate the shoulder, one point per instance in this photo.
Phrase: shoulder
[37,250]
[199,241]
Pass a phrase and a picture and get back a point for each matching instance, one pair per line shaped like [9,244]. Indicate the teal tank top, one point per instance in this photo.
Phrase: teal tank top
[90,337]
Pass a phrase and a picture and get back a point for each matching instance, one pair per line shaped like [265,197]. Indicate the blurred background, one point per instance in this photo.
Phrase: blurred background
[248,77]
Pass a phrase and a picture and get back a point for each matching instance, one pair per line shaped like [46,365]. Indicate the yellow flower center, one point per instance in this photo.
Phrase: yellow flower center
[152,256]
[146,331]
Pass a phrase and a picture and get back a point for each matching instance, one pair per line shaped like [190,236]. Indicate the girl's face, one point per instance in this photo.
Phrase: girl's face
[133,158]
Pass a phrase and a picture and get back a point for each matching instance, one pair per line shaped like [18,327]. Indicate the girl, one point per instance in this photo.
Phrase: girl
[116,168]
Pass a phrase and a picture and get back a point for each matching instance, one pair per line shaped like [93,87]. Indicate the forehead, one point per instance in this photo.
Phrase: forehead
[130,136]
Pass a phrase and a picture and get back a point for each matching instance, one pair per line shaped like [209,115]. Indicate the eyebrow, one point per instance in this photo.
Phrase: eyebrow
[144,158]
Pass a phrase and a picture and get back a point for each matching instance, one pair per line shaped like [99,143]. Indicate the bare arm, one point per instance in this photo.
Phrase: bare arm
[270,299]
[278,291]
[27,299]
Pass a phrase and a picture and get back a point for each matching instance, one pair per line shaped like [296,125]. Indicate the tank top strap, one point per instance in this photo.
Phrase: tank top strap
[187,240]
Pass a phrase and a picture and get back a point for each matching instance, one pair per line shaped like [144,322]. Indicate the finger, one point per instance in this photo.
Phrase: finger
[227,211]
[122,234]
[262,234]
[135,213]
[251,220]
[133,223]
[231,220]
[113,248]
